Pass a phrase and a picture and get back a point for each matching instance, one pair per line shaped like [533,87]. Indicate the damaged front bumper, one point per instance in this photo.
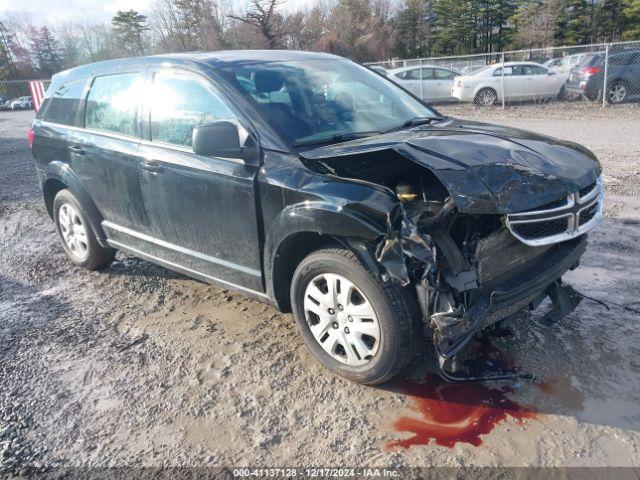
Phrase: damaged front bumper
[457,297]
[524,288]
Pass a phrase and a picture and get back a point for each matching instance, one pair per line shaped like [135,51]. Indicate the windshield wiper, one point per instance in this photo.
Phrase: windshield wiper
[415,121]
[337,137]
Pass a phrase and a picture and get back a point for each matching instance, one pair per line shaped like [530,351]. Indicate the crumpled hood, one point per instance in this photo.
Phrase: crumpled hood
[486,168]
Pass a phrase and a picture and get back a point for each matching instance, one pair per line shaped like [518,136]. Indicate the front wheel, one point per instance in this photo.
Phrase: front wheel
[356,325]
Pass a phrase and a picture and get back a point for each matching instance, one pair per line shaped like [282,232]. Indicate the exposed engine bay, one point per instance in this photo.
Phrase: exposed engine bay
[471,270]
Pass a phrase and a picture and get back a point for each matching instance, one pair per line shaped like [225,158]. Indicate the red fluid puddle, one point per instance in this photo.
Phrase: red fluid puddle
[454,412]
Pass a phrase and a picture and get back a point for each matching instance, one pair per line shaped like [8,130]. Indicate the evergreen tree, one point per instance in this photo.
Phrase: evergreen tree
[46,51]
[632,14]
[129,28]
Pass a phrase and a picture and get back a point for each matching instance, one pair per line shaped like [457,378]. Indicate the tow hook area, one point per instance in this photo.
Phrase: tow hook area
[480,361]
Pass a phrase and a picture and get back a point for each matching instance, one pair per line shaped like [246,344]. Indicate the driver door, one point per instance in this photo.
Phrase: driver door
[202,209]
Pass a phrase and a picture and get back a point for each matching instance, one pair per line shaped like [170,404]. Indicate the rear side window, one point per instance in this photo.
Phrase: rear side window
[444,74]
[112,103]
[64,101]
[179,103]
[590,60]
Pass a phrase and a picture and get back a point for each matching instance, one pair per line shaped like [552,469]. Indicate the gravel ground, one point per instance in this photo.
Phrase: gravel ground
[137,365]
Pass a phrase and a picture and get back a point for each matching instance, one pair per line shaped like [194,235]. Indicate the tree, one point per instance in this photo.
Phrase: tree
[7,66]
[46,51]
[129,28]
[263,17]
[187,25]
[632,13]
[416,29]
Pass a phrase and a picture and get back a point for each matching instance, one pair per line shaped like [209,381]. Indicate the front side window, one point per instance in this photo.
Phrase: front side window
[179,103]
[320,100]
[112,103]
[62,107]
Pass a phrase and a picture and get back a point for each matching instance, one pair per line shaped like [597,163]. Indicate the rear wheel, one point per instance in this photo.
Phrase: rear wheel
[356,325]
[486,97]
[617,92]
[76,234]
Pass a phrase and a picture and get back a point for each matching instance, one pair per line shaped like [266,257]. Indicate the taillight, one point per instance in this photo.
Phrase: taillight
[31,136]
[590,71]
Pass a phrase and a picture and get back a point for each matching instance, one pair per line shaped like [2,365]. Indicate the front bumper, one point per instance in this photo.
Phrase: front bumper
[524,287]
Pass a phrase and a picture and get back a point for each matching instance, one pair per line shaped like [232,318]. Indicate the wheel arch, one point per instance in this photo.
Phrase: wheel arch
[57,177]
[300,230]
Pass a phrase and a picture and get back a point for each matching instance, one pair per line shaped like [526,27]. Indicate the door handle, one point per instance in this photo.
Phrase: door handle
[77,149]
[152,167]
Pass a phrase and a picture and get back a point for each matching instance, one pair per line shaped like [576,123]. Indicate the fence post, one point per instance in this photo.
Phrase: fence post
[502,70]
[606,68]
[421,82]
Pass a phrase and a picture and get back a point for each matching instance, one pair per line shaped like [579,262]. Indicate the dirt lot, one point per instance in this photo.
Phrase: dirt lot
[136,365]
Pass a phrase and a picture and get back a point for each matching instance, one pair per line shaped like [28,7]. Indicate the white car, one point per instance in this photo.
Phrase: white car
[429,82]
[21,103]
[521,81]
[564,66]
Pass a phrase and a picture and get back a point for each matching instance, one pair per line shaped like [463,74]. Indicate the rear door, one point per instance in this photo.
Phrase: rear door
[538,83]
[443,83]
[203,209]
[104,154]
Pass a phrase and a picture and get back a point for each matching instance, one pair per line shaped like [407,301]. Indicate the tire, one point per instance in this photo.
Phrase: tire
[486,97]
[76,235]
[618,92]
[374,304]
[562,94]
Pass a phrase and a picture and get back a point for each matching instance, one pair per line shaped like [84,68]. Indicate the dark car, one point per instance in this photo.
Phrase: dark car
[623,76]
[313,184]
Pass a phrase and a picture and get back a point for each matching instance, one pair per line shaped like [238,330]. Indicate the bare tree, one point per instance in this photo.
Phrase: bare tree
[263,17]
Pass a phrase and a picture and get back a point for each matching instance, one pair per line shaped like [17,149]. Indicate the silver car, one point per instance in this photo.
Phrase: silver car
[429,82]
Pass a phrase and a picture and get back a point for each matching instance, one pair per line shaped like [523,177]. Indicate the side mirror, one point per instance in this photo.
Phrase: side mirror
[219,139]
[551,72]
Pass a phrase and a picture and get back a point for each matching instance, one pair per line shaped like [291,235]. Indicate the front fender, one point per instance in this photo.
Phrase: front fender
[61,172]
[350,228]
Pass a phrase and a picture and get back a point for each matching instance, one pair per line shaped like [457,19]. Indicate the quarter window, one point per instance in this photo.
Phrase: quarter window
[112,104]
[63,105]
[180,103]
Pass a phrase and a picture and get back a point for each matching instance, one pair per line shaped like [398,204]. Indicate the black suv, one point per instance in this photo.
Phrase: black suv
[311,183]
[623,76]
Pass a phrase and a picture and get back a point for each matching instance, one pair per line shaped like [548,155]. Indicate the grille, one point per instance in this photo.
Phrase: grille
[583,192]
[588,213]
[544,229]
[560,220]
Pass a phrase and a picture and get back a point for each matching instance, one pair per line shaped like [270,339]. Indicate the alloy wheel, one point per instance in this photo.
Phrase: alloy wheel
[73,231]
[617,93]
[342,319]
[486,98]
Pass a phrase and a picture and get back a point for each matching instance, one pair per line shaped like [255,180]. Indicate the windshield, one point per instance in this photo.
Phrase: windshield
[312,101]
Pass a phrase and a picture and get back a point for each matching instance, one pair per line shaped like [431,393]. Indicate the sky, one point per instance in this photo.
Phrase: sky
[51,11]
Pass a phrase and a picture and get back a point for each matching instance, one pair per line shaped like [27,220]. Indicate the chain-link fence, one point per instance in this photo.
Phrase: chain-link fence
[599,75]
[16,95]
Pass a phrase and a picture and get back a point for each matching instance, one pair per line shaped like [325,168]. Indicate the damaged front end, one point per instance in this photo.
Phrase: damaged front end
[472,267]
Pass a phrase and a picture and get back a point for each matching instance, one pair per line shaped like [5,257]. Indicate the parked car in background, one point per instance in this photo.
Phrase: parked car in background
[368,218]
[378,69]
[552,62]
[522,81]
[21,103]
[623,76]
[565,64]
[429,82]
